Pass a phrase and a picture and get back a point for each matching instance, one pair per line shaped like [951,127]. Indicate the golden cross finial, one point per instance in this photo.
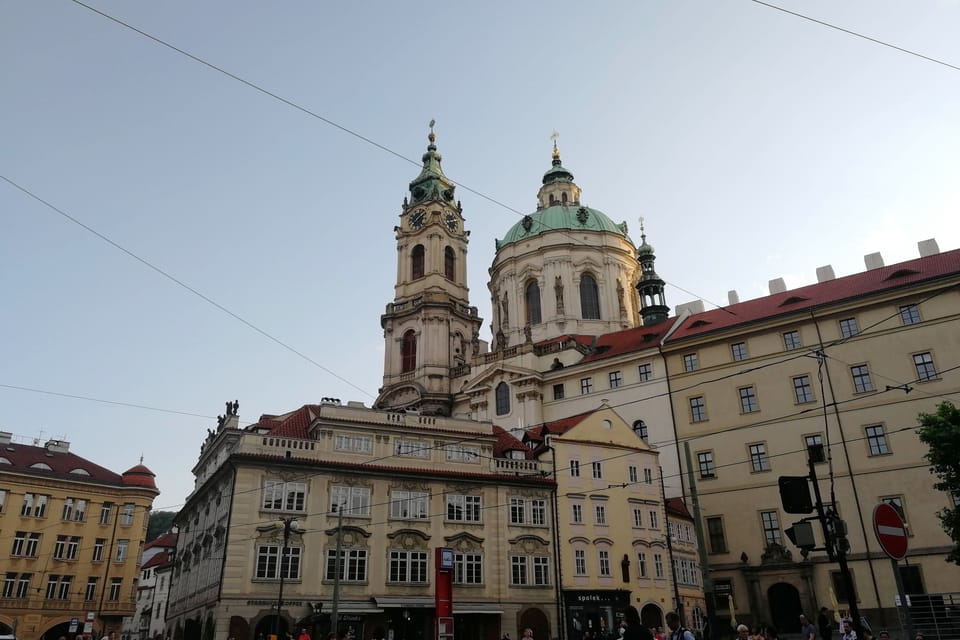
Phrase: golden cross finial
[554,136]
[432,137]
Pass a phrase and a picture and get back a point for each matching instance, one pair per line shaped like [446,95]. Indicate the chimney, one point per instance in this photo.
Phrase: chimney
[57,446]
[825,273]
[695,306]
[777,285]
[5,437]
[733,297]
[873,261]
[928,248]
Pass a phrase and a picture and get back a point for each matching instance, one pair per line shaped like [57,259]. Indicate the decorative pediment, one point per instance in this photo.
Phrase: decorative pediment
[602,540]
[351,535]
[464,542]
[409,539]
[528,544]
[579,540]
[505,372]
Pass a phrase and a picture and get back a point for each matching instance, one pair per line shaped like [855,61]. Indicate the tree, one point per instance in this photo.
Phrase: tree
[160,523]
[940,431]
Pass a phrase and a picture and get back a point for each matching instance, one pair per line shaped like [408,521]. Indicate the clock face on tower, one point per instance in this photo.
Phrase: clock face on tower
[451,221]
[418,218]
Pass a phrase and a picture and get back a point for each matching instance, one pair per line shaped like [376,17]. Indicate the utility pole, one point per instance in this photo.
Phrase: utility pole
[708,593]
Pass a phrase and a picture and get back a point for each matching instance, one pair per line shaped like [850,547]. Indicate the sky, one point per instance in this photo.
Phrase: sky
[754,143]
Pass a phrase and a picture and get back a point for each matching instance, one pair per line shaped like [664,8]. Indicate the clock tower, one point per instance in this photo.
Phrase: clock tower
[429,330]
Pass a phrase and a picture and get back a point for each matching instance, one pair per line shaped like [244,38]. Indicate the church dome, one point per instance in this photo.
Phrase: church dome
[139,476]
[562,218]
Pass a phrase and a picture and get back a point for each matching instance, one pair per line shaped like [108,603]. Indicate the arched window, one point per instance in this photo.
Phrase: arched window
[589,298]
[640,428]
[416,257]
[449,263]
[408,352]
[533,302]
[503,399]
[563,197]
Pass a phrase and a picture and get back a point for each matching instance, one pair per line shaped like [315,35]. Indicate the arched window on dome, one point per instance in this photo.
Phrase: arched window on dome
[533,303]
[416,259]
[450,263]
[640,428]
[503,399]
[408,352]
[553,199]
[589,298]
[563,197]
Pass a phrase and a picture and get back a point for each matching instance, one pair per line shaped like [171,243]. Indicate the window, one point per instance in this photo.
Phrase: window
[633,474]
[574,468]
[126,514]
[74,509]
[449,264]
[3,499]
[408,351]
[105,509]
[462,453]
[690,362]
[518,511]
[416,261]
[354,500]
[648,476]
[90,593]
[533,302]
[706,465]
[748,399]
[654,520]
[530,570]
[58,587]
[758,457]
[576,513]
[840,586]
[791,340]
[909,314]
[640,428]
[122,546]
[658,565]
[771,528]
[718,541]
[596,469]
[848,327]
[284,496]
[801,389]
[642,564]
[897,503]
[16,585]
[616,379]
[270,566]
[25,544]
[116,584]
[356,444]
[600,511]
[558,391]
[604,557]
[912,579]
[66,547]
[925,369]
[34,505]
[409,505]
[877,440]
[412,449]
[467,568]
[637,518]
[579,562]
[861,378]
[589,298]
[698,409]
[503,399]
[463,508]
[814,440]
[586,386]
[739,351]
[538,512]
[353,565]
[646,372]
[408,567]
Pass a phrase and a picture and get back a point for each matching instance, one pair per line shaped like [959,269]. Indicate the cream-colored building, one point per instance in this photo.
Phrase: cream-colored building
[848,363]
[71,532]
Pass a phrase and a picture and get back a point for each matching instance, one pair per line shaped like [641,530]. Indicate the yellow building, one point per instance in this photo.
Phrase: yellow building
[71,532]
[847,363]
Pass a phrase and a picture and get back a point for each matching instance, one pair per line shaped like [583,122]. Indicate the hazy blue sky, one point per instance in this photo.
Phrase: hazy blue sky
[756,145]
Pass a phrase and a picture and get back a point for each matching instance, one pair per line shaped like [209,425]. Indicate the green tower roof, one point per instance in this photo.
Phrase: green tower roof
[561,218]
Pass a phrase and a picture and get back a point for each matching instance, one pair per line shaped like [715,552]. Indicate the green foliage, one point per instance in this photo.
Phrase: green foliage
[160,523]
[940,431]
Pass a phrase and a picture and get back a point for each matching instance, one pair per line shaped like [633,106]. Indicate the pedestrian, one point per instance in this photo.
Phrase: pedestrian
[677,632]
[528,634]
[743,632]
[807,630]
[634,629]
[303,634]
[826,627]
[848,632]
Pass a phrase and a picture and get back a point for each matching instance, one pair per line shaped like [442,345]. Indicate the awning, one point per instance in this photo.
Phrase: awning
[410,602]
[476,607]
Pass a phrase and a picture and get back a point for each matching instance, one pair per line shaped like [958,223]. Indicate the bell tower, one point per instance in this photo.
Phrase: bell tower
[653,303]
[430,330]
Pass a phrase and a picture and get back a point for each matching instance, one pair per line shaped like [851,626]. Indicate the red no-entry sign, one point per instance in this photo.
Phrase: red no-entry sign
[890,530]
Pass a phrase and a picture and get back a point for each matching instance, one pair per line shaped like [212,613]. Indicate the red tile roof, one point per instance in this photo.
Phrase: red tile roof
[167,540]
[506,442]
[618,343]
[158,560]
[539,432]
[858,285]
[676,507]
[67,466]
[581,339]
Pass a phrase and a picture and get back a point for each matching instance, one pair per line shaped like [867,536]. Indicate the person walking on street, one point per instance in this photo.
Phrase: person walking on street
[848,632]
[826,627]
[807,630]
[677,632]
[634,629]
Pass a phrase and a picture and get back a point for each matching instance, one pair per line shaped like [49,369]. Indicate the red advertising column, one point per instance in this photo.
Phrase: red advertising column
[443,597]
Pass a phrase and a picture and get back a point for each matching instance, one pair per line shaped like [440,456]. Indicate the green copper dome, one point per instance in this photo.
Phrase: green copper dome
[561,218]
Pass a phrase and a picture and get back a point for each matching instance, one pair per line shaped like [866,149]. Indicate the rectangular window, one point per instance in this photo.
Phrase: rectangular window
[633,474]
[538,512]
[897,503]
[462,453]
[861,378]
[25,544]
[353,565]
[518,511]
[122,546]
[98,547]
[877,440]
[654,520]
[126,514]
[58,587]
[576,513]
[586,385]
[3,499]
[354,500]
[463,508]
[758,457]
[802,390]
[467,568]
[648,476]
[116,584]
[409,505]
[814,440]
[840,586]
[558,391]
[791,340]
[848,327]
[601,514]
[74,510]
[771,528]
[718,541]
[284,496]
[541,571]
[707,467]
[658,565]
[34,505]
[574,468]
[604,557]
[412,449]
[909,314]
[518,570]
[616,379]
[739,351]
[353,443]
[596,469]
[637,518]
[642,564]
[698,409]
[646,372]
[105,510]
[748,399]
[60,548]
[90,593]
[690,362]
[269,565]
[579,562]
[925,369]
[408,567]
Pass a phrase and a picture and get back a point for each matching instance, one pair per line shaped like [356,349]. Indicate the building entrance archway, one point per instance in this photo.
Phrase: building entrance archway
[785,607]
[651,616]
[535,619]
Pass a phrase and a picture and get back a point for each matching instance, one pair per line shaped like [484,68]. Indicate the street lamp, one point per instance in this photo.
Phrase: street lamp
[288,525]
[338,508]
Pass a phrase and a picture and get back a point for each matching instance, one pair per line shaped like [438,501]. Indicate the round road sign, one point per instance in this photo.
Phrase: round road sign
[890,530]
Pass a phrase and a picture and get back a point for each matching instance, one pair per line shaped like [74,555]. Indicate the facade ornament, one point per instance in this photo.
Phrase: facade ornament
[505,312]
[558,292]
[620,301]
[233,407]
[528,333]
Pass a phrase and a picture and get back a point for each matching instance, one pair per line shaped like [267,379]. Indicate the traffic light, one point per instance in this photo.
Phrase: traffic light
[801,535]
[795,494]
